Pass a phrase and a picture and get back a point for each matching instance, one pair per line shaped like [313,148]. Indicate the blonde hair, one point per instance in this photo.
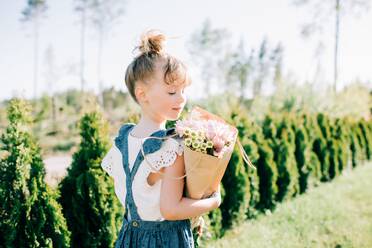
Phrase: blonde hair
[151,53]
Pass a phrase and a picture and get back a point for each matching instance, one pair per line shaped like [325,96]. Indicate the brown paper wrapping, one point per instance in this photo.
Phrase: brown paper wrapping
[204,172]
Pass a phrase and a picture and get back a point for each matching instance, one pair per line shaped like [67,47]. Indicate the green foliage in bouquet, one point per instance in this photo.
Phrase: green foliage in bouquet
[30,215]
[89,203]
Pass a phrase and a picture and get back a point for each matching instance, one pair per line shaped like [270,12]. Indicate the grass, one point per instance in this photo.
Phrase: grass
[335,214]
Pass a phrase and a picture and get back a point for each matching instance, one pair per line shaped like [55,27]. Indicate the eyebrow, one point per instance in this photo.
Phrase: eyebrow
[173,87]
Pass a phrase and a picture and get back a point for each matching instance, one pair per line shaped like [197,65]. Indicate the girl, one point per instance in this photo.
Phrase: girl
[157,214]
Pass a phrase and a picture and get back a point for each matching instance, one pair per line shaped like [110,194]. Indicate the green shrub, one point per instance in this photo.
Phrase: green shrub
[303,156]
[366,134]
[90,206]
[30,215]
[235,182]
[287,182]
[355,146]
[246,129]
[321,146]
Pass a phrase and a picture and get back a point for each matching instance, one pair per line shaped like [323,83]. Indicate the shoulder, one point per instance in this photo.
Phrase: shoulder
[111,159]
[166,156]
[124,128]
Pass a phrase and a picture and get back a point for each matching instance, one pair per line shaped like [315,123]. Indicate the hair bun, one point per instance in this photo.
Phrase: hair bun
[152,42]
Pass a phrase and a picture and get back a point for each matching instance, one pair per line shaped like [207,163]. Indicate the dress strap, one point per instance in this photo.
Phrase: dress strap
[122,143]
[150,146]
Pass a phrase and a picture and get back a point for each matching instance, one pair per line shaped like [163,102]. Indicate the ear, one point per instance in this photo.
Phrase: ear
[140,92]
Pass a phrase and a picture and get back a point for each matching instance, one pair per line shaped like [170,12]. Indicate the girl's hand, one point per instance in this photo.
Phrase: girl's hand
[200,230]
[217,196]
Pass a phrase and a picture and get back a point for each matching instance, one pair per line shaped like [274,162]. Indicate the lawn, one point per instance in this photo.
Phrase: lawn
[335,214]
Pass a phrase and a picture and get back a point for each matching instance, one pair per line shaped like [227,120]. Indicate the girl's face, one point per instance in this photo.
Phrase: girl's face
[162,101]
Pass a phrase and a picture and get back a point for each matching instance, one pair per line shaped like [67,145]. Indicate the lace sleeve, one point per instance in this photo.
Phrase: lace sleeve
[166,155]
[111,160]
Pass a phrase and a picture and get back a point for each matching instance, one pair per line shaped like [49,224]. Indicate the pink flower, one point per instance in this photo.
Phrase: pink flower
[180,127]
[215,131]
[210,134]
[218,144]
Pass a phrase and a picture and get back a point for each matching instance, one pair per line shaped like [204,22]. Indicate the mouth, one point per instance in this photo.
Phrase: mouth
[176,109]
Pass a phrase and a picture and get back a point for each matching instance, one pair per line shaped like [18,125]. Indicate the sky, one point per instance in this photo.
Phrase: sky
[277,20]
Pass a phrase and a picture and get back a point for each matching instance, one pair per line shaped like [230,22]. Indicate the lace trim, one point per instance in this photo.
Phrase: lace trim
[107,163]
[167,154]
[111,159]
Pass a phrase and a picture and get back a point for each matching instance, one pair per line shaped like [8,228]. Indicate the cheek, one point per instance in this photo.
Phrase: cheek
[166,101]
[162,102]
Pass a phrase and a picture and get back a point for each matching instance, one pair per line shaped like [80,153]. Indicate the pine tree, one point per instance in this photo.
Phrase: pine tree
[355,146]
[246,129]
[311,128]
[235,182]
[90,206]
[367,138]
[267,170]
[341,131]
[303,155]
[321,146]
[240,181]
[30,215]
[286,163]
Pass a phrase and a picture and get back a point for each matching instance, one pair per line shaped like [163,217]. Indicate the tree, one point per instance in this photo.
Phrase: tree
[303,154]
[246,129]
[81,8]
[321,12]
[51,76]
[267,168]
[92,211]
[32,13]
[208,49]
[104,15]
[240,69]
[30,215]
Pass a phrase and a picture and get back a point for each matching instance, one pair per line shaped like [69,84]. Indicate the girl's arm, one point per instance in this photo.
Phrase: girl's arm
[173,206]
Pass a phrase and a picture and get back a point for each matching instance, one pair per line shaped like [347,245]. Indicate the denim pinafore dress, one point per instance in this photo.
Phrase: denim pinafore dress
[142,233]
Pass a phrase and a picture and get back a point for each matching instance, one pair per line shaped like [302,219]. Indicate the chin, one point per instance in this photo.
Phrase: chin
[174,117]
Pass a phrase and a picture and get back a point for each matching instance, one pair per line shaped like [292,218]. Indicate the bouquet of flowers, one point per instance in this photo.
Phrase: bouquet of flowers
[208,143]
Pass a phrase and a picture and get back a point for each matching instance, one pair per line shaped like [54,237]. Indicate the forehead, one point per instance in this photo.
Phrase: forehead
[170,78]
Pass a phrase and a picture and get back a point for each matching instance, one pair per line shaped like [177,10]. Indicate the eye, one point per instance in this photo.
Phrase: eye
[171,93]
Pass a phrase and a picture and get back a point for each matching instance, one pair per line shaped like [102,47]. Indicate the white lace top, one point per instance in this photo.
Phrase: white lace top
[146,197]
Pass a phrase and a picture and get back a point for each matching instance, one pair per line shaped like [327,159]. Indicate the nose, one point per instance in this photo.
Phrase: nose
[182,97]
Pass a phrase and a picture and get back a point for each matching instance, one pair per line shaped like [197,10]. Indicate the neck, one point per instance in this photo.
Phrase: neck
[147,125]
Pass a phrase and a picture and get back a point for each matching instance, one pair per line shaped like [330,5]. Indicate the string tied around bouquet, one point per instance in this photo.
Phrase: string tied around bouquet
[241,151]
